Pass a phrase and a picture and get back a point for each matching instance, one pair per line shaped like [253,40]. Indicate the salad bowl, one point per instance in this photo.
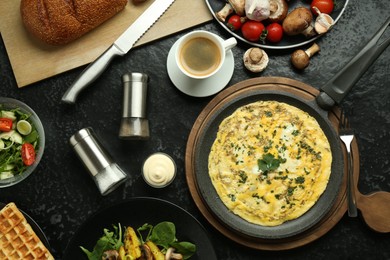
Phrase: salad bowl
[34,137]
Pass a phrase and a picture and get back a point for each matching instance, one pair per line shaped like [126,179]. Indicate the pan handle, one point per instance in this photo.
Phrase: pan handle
[338,86]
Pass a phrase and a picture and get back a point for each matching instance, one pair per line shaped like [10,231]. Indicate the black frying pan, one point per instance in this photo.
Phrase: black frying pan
[332,93]
[206,188]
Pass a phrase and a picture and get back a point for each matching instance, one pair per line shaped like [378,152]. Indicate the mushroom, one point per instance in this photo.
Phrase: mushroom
[255,59]
[224,12]
[299,21]
[301,59]
[110,255]
[171,255]
[238,6]
[278,11]
[146,253]
[257,10]
[323,22]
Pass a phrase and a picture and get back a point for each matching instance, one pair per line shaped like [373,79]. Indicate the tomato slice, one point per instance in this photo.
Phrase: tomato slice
[5,124]
[28,154]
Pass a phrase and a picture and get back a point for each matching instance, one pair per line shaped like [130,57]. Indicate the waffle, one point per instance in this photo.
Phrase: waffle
[17,239]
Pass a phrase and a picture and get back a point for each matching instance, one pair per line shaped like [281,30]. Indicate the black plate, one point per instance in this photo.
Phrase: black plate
[287,41]
[38,231]
[288,229]
[136,212]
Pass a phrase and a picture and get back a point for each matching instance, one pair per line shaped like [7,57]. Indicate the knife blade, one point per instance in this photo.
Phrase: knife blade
[119,48]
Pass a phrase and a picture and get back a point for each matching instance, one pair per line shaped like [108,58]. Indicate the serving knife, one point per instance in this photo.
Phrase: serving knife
[119,48]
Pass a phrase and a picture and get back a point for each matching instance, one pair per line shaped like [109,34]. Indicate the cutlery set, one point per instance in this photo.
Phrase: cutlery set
[375,206]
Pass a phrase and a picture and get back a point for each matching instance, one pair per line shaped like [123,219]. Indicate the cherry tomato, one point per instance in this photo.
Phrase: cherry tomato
[325,6]
[235,22]
[253,31]
[28,154]
[5,124]
[275,32]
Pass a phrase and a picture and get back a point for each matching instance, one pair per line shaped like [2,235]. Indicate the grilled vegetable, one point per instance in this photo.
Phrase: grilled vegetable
[157,255]
[132,243]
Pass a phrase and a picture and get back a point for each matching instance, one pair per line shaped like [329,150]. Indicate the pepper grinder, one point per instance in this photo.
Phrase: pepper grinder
[134,124]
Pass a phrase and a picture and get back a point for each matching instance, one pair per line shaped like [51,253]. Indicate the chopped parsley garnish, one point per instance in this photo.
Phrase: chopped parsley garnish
[310,150]
[295,132]
[268,146]
[232,197]
[256,195]
[299,180]
[243,177]
[290,190]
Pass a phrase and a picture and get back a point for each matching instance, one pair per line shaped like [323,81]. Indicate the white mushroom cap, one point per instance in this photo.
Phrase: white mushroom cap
[238,6]
[278,10]
[255,59]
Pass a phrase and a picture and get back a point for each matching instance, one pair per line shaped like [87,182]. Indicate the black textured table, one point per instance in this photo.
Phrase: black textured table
[60,195]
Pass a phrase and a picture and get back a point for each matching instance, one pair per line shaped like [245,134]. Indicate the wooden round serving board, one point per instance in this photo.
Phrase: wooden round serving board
[339,208]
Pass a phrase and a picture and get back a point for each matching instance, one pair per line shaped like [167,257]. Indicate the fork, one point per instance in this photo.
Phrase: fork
[346,135]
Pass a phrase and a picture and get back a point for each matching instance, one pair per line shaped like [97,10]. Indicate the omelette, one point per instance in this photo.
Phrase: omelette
[270,162]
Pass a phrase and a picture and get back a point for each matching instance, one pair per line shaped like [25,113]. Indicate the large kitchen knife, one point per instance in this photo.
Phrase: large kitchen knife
[119,48]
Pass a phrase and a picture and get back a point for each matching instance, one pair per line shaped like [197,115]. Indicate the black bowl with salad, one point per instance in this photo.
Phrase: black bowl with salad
[22,141]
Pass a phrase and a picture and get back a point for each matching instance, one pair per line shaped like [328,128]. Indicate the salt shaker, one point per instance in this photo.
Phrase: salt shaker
[102,168]
[134,124]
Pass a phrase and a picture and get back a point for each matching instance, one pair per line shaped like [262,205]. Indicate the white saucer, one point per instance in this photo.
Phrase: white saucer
[200,87]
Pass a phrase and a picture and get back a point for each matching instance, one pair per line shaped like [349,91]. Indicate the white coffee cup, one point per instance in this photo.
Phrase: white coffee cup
[201,54]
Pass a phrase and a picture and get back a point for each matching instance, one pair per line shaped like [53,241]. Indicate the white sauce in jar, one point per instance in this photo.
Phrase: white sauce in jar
[159,170]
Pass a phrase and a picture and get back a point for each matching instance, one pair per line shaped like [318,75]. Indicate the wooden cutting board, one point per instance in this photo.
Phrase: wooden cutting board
[32,61]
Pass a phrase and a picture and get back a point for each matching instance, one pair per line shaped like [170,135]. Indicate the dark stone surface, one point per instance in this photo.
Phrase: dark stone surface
[60,195]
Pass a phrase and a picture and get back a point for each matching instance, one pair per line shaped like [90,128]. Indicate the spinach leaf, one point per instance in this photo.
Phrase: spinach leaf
[164,234]
[110,240]
[187,249]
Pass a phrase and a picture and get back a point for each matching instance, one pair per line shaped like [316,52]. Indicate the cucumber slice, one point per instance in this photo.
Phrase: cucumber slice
[12,135]
[23,127]
[8,114]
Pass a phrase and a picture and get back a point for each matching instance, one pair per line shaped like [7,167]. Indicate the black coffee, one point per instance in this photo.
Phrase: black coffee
[200,56]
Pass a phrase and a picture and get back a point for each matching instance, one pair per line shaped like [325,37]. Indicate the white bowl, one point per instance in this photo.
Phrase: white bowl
[10,103]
